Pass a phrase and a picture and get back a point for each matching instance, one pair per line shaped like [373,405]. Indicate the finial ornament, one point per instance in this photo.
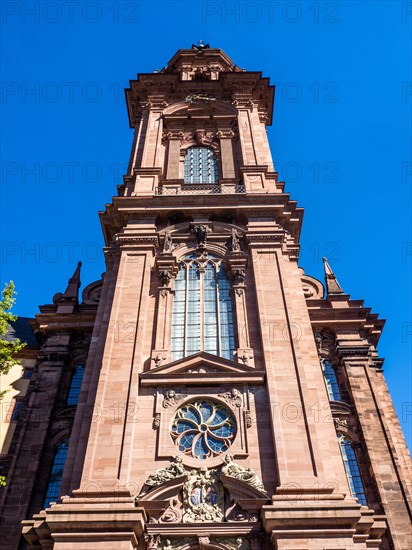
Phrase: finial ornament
[332,285]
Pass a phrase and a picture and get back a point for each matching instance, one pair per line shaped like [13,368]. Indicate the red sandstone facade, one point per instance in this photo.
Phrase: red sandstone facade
[286,486]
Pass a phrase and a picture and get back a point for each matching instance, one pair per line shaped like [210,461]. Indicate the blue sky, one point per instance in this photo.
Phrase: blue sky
[341,136]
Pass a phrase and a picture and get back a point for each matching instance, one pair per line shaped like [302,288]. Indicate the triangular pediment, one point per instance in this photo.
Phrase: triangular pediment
[202,368]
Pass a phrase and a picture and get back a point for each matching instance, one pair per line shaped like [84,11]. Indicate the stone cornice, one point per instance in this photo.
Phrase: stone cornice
[277,206]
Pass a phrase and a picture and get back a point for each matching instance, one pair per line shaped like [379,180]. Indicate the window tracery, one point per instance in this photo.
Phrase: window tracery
[200,166]
[202,318]
[203,429]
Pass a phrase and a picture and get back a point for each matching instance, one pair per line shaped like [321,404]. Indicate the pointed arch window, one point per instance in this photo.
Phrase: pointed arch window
[331,381]
[352,469]
[200,165]
[75,384]
[202,318]
[53,488]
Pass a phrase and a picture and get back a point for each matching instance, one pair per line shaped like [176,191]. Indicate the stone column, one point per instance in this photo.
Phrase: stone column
[108,457]
[384,441]
[226,149]
[173,155]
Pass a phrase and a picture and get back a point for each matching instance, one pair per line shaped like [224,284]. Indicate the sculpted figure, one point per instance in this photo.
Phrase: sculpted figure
[167,244]
[200,232]
[231,469]
[175,469]
[235,241]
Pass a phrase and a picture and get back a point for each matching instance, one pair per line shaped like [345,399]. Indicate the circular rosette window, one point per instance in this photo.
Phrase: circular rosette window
[203,429]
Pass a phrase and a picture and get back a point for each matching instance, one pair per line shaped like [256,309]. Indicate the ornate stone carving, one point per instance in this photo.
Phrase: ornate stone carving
[156,421]
[200,97]
[203,497]
[200,370]
[165,277]
[231,469]
[232,543]
[168,243]
[239,276]
[200,231]
[248,419]
[234,241]
[174,544]
[245,357]
[233,397]
[172,398]
[173,513]
[340,424]
[225,134]
[204,543]
[175,469]
[158,359]
[235,514]
[152,542]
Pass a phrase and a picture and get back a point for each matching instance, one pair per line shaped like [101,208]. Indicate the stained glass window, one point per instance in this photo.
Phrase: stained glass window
[203,429]
[352,470]
[53,488]
[75,385]
[200,165]
[331,381]
[202,318]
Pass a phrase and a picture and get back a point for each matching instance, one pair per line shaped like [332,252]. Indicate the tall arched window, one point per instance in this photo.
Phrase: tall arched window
[75,385]
[200,165]
[331,381]
[53,488]
[202,318]
[352,469]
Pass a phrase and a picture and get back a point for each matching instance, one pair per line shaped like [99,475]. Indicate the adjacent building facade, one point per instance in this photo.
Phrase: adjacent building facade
[206,393]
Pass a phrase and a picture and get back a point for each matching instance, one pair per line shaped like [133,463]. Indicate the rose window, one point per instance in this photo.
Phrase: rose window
[203,429]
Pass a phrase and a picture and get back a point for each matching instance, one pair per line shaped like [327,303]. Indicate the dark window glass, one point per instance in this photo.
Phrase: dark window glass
[18,408]
[352,470]
[53,488]
[75,385]
[331,381]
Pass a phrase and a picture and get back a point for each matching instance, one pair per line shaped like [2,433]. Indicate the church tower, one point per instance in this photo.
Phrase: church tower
[228,401]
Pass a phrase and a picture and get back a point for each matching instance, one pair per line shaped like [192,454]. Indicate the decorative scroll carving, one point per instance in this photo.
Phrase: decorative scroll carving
[235,514]
[175,469]
[173,513]
[231,469]
[156,421]
[233,397]
[172,398]
[203,497]
[225,134]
